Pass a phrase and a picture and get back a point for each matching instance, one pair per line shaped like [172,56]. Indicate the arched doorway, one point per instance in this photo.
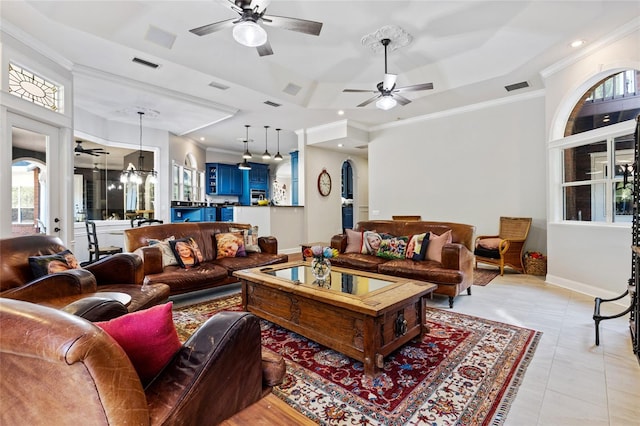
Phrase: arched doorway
[347,195]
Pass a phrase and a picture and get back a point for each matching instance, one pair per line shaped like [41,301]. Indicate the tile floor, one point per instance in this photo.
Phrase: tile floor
[570,380]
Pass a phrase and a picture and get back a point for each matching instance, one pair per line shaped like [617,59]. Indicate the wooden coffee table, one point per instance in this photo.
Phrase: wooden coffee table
[362,315]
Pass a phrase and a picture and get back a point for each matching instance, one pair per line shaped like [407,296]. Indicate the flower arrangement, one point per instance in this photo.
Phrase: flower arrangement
[320,252]
[320,265]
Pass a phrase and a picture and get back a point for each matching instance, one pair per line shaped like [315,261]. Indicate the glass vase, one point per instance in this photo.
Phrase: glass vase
[320,268]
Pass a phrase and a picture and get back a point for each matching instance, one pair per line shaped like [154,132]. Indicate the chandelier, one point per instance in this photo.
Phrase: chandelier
[136,176]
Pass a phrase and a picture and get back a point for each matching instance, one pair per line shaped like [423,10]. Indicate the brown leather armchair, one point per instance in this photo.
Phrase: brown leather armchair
[122,273]
[60,369]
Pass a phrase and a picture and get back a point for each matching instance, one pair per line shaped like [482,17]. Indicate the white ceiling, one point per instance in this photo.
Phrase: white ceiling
[470,50]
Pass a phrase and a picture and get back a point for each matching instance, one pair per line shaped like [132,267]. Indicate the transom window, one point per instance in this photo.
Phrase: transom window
[597,175]
[34,88]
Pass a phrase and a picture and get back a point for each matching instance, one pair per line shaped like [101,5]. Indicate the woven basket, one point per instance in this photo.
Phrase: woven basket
[533,266]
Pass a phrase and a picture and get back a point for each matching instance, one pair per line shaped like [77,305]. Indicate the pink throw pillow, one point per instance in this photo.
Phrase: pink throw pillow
[436,242]
[148,337]
[354,241]
[490,243]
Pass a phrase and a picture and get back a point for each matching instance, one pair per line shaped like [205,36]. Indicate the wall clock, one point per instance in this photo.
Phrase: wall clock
[324,183]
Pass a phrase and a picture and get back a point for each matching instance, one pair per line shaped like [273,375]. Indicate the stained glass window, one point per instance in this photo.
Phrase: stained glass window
[33,88]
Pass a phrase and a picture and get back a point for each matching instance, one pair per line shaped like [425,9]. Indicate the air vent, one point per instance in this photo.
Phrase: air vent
[292,89]
[516,86]
[362,147]
[145,63]
[273,104]
[218,85]
[160,37]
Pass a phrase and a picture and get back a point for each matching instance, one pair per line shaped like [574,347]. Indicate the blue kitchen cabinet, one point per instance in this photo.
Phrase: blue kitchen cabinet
[226,214]
[257,179]
[223,179]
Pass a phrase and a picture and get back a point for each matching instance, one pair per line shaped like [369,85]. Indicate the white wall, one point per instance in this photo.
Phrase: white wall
[587,257]
[470,166]
[323,215]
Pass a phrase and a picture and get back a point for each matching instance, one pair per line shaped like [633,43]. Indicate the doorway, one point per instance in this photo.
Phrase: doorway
[35,191]
[347,195]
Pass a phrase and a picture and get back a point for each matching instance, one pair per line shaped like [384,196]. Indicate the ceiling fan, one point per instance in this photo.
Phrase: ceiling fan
[79,149]
[387,94]
[246,29]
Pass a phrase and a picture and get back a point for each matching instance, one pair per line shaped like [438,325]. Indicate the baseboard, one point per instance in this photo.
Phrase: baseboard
[587,289]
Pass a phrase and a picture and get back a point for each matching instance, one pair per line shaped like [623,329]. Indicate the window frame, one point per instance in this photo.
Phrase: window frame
[556,169]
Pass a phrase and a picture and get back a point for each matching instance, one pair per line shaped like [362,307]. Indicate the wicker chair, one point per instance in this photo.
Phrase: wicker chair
[504,249]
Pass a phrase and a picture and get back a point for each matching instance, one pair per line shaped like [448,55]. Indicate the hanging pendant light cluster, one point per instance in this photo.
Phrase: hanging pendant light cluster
[133,175]
[244,165]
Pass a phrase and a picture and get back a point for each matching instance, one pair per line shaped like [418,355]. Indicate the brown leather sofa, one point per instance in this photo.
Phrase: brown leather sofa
[453,275]
[59,369]
[122,273]
[211,272]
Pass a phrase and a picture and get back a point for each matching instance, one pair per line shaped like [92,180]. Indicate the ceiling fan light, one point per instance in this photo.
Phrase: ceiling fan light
[386,102]
[250,34]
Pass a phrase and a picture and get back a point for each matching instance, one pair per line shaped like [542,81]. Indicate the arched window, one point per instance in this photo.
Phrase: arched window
[596,178]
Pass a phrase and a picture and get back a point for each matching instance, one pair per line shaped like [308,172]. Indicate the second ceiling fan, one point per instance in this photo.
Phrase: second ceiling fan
[247,29]
[387,93]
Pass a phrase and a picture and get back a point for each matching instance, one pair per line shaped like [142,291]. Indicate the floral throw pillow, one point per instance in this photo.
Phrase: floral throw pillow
[392,247]
[52,263]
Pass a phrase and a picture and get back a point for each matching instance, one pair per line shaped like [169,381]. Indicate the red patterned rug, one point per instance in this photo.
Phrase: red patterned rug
[484,276]
[465,371]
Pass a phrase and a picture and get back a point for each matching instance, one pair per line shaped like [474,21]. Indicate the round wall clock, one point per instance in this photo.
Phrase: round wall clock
[324,183]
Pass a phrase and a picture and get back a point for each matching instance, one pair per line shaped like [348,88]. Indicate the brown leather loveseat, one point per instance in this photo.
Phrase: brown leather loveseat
[59,369]
[211,272]
[121,273]
[453,274]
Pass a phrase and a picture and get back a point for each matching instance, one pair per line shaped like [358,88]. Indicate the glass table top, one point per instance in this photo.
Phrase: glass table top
[342,282]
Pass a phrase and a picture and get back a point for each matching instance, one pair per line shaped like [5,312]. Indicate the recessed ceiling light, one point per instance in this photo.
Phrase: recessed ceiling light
[340,145]
[340,112]
[202,138]
[577,43]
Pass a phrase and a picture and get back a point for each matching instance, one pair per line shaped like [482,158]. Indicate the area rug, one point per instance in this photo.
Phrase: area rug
[484,276]
[465,371]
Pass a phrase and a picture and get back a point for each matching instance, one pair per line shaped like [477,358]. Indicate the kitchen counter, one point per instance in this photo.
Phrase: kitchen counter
[283,222]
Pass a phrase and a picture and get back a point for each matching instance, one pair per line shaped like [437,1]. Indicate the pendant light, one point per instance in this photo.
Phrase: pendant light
[246,154]
[133,175]
[245,165]
[266,155]
[278,157]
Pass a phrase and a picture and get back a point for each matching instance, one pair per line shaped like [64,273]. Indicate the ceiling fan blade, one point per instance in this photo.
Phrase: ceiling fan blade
[359,91]
[368,101]
[389,81]
[415,87]
[210,28]
[401,99]
[265,49]
[293,24]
